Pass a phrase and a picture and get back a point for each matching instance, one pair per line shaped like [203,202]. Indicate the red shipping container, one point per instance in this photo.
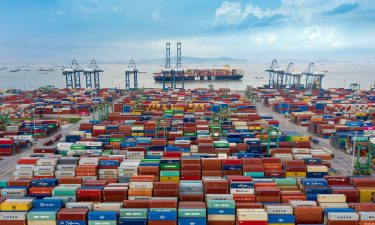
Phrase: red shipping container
[308,214]
[72,214]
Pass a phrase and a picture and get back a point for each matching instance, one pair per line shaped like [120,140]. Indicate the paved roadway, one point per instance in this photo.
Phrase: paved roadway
[7,164]
[342,162]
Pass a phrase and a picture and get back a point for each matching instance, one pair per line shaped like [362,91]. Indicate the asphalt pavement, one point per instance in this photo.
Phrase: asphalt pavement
[342,162]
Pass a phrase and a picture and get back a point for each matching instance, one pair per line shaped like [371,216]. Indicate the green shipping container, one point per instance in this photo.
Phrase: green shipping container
[133,213]
[150,160]
[167,173]
[170,166]
[254,174]
[227,204]
[105,222]
[3,183]
[221,144]
[77,147]
[192,212]
[64,191]
[360,139]
[107,152]
[168,112]
[41,215]
[190,134]
[116,139]
[286,182]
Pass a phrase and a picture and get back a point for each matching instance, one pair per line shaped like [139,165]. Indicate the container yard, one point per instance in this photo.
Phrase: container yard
[28,117]
[200,156]
[343,117]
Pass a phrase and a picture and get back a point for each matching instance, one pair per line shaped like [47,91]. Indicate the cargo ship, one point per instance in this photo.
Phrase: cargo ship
[204,75]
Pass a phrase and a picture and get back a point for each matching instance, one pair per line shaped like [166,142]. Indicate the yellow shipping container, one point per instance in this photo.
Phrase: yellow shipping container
[321,168]
[168,179]
[219,217]
[137,112]
[360,114]
[366,193]
[295,174]
[252,216]
[41,222]
[300,139]
[15,206]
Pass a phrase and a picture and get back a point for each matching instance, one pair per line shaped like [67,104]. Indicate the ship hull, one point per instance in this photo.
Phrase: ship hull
[199,78]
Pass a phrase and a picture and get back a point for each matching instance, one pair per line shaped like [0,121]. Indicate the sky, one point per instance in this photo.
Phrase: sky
[48,30]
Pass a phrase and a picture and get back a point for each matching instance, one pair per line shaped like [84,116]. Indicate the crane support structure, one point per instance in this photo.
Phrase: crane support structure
[167,67]
[288,79]
[92,71]
[73,72]
[131,70]
[177,72]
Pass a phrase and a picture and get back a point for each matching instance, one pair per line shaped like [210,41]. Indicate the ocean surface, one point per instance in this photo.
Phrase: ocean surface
[28,78]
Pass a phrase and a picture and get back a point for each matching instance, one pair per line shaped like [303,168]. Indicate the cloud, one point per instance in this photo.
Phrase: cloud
[297,11]
[156,15]
[229,13]
[232,13]
[343,8]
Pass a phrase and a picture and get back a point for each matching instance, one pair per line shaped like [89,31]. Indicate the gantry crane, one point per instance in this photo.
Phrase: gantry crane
[161,122]
[275,75]
[291,78]
[271,131]
[355,86]
[362,165]
[72,75]
[131,70]
[313,79]
[176,74]
[179,73]
[93,70]
[4,121]
[251,94]
[102,110]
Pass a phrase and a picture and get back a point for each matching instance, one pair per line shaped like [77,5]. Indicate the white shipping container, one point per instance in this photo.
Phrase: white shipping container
[60,174]
[279,209]
[24,167]
[247,191]
[13,216]
[333,205]
[252,216]
[141,185]
[367,216]
[343,216]
[303,203]
[79,205]
[44,168]
[107,207]
[219,197]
